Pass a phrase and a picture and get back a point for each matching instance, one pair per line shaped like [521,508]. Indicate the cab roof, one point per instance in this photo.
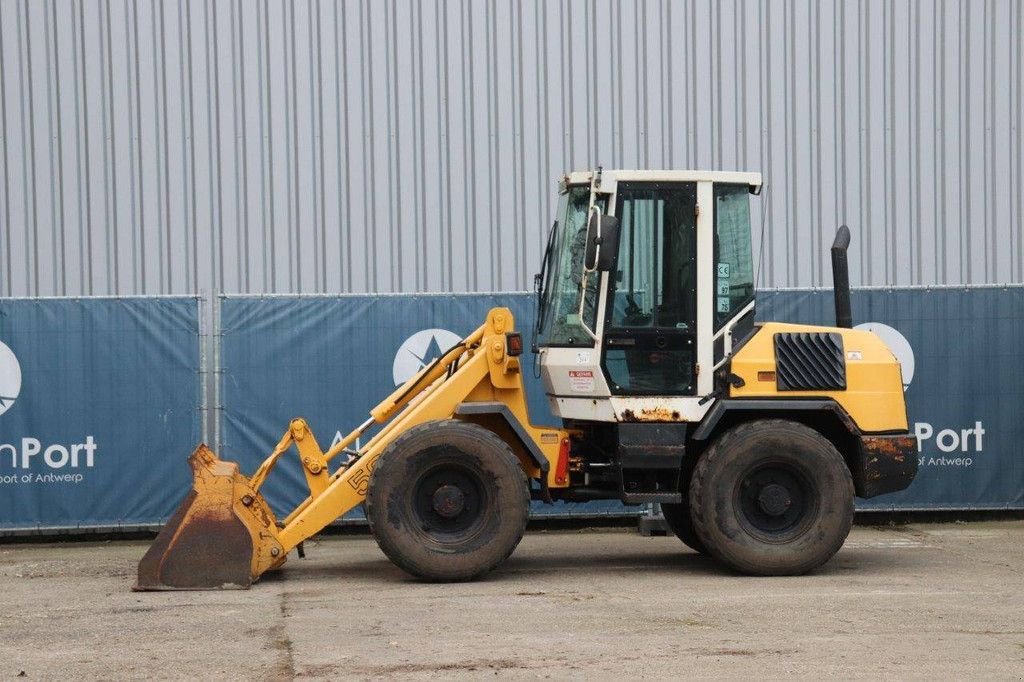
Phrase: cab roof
[614,176]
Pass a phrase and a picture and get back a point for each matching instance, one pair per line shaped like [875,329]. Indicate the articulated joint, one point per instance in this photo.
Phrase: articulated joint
[503,366]
[310,455]
[497,351]
[498,321]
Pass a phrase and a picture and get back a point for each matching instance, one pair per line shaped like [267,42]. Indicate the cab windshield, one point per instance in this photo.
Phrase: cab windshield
[559,294]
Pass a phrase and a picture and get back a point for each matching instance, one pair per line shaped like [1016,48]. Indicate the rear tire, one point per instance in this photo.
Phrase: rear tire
[772,497]
[448,501]
[678,519]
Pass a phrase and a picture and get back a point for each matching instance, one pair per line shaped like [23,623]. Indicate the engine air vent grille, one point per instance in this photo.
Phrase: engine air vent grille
[810,361]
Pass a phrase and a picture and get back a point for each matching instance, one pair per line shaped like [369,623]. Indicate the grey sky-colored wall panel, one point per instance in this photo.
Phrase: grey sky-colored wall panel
[319,146]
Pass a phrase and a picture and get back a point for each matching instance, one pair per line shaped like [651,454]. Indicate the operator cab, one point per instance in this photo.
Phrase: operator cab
[646,283]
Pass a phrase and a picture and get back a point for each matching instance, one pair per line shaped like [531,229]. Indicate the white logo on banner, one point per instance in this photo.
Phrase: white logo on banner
[28,451]
[899,346]
[10,378]
[419,350]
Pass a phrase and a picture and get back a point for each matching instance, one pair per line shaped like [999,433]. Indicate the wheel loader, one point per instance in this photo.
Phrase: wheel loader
[754,437]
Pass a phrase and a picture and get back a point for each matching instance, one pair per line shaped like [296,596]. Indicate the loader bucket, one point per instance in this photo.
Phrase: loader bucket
[223,535]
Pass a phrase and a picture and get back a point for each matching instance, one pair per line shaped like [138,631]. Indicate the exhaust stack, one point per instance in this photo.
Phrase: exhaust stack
[841,277]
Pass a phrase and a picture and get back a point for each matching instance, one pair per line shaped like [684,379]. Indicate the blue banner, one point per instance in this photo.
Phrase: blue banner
[99,408]
[100,399]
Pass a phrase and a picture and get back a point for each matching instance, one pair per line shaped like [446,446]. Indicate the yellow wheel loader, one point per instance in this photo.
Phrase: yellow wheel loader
[754,437]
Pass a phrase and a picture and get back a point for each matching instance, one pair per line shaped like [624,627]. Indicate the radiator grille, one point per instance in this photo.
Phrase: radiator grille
[809,361]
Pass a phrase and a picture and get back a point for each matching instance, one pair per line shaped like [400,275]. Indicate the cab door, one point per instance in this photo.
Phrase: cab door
[650,326]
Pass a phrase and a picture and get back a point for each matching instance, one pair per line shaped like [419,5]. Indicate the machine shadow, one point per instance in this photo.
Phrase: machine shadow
[513,570]
[528,568]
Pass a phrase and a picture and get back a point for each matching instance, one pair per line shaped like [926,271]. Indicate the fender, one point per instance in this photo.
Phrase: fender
[767,406]
[501,410]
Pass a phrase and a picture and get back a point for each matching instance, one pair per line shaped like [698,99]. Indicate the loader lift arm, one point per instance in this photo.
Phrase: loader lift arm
[192,551]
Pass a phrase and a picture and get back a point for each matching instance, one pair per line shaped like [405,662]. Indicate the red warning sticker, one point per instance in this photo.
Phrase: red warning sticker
[581,380]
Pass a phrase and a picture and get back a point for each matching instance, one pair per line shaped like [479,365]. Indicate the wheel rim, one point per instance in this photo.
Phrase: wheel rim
[449,503]
[776,501]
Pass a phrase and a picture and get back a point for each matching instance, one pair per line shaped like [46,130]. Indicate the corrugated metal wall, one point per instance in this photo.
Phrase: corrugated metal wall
[252,146]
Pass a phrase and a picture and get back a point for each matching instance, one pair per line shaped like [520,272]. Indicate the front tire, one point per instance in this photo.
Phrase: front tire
[772,497]
[448,501]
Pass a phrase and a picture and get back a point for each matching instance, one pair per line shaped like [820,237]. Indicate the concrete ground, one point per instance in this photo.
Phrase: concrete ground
[919,601]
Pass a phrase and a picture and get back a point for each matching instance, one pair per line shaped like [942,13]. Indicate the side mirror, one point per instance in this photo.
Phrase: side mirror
[602,242]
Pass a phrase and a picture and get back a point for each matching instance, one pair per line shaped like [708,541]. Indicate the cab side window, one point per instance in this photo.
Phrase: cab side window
[734,268]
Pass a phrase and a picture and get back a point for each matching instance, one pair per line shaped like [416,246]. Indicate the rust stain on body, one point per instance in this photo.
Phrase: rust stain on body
[894,449]
[651,414]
